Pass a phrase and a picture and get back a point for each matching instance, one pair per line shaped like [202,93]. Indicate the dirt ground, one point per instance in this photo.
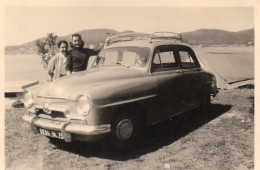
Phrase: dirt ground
[222,139]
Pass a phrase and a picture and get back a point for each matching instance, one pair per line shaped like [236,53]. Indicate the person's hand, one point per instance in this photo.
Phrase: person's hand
[68,73]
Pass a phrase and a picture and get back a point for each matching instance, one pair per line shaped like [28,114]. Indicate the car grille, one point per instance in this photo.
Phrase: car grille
[55,115]
[42,110]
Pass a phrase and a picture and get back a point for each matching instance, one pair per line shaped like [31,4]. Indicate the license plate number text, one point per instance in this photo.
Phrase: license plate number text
[51,133]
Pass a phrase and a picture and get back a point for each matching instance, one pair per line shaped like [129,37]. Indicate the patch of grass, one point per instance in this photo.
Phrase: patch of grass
[242,100]
[222,139]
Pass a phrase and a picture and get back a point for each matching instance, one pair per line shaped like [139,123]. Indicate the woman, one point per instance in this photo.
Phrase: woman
[57,64]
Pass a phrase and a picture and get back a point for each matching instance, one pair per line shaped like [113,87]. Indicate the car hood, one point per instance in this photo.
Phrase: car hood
[66,86]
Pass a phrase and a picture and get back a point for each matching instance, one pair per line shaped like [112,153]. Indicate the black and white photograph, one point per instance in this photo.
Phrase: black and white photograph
[127,86]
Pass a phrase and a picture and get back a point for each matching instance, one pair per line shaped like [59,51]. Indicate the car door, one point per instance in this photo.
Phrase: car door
[191,77]
[165,69]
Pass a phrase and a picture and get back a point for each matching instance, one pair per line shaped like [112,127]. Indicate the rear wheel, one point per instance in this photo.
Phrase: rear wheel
[124,131]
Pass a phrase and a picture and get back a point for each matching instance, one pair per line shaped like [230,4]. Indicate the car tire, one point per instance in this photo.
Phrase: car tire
[124,132]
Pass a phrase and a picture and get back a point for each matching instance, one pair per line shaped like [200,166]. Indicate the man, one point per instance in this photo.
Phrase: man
[78,57]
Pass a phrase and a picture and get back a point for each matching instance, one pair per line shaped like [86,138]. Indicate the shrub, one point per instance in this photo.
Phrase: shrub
[46,49]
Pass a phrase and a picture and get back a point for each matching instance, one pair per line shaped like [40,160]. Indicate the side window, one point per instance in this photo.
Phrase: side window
[167,57]
[164,60]
[186,60]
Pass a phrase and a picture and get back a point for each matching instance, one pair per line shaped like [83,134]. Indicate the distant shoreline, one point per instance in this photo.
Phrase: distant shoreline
[25,51]
[18,52]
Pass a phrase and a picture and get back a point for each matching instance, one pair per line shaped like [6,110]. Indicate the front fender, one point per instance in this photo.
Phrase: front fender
[106,98]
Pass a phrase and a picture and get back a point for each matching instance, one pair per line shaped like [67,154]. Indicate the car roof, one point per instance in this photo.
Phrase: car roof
[145,43]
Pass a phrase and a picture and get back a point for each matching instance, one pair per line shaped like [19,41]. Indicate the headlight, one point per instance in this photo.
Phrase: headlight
[83,104]
[28,99]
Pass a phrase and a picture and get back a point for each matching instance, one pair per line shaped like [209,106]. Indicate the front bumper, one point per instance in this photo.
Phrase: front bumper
[68,130]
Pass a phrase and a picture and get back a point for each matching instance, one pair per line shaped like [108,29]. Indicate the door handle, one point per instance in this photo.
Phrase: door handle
[180,71]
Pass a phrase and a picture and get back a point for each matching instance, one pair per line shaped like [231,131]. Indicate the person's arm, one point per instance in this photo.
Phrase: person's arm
[51,66]
[69,63]
[68,73]
[92,52]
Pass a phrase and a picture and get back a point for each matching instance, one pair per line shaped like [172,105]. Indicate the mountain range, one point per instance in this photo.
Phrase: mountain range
[197,37]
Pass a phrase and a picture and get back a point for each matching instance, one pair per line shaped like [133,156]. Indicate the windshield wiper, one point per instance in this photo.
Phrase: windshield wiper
[122,64]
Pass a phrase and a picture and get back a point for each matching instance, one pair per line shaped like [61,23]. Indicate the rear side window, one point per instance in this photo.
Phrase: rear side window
[188,59]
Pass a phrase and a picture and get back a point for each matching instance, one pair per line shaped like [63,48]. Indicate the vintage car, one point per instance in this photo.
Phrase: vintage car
[134,82]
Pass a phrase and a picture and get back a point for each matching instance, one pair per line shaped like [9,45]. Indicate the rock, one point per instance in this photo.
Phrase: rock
[167,166]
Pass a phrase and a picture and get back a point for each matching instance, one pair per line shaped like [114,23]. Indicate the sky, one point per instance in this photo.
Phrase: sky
[26,23]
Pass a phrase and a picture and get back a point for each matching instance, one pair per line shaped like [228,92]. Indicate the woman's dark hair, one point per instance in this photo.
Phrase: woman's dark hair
[61,42]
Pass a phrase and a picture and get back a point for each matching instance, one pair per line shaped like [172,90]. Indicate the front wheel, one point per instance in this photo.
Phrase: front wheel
[124,131]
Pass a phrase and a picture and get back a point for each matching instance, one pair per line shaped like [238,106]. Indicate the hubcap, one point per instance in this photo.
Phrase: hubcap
[124,129]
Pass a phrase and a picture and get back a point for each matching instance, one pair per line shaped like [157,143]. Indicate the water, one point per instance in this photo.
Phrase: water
[23,67]
[27,67]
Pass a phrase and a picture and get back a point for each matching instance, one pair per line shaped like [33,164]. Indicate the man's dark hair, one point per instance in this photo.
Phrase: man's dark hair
[61,42]
[77,35]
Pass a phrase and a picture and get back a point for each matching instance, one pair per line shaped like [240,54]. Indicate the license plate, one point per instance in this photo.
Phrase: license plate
[51,133]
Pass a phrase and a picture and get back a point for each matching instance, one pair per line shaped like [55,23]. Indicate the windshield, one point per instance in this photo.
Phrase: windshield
[125,56]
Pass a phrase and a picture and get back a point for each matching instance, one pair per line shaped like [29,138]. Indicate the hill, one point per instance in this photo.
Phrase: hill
[92,36]
[204,37]
[218,37]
